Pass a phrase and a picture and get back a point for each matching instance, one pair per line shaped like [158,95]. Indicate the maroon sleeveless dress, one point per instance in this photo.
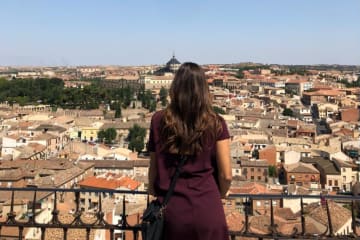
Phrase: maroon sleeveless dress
[195,210]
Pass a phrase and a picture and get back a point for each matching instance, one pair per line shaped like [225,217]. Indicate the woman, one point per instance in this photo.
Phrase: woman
[189,126]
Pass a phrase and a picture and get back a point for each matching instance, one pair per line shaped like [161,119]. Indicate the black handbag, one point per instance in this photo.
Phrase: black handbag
[152,225]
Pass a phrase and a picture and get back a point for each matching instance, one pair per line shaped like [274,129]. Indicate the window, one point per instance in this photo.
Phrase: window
[252,177]
[344,179]
[330,182]
[259,178]
[251,169]
[259,169]
[344,170]
[336,183]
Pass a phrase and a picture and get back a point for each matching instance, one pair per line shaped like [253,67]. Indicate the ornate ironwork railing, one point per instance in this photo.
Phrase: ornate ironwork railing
[46,213]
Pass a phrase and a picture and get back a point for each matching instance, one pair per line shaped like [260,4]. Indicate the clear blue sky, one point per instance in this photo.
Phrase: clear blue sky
[136,32]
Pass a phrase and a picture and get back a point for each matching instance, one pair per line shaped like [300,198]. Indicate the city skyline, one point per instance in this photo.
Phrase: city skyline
[64,33]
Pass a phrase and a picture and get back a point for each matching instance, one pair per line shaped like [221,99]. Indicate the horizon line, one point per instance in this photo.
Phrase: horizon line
[144,65]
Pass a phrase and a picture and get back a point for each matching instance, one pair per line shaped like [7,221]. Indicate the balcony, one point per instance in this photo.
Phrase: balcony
[46,213]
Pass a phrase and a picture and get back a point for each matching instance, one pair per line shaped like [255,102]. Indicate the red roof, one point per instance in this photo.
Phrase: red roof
[109,182]
[297,81]
[250,188]
[329,92]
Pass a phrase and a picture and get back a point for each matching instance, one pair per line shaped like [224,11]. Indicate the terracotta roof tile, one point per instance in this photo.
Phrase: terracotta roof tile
[110,182]
[250,188]
[300,168]
[339,215]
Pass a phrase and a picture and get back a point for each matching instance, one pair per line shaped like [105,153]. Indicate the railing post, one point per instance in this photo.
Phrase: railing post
[11,215]
[111,234]
[32,218]
[353,217]
[272,222]
[55,212]
[77,201]
[42,233]
[65,230]
[303,226]
[77,219]
[100,214]
[331,233]
[21,230]
[247,211]
[87,233]
[135,234]
[123,216]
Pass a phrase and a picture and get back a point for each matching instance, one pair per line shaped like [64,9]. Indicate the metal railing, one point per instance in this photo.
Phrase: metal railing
[35,217]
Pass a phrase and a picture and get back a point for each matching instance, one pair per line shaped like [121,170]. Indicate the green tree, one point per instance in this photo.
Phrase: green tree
[272,171]
[219,110]
[146,99]
[240,74]
[287,112]
[127,97]
[51,91]
[108,135]
[117,111]
[152,106]
[101,135]
[350,84]
[163,96]
[136,138]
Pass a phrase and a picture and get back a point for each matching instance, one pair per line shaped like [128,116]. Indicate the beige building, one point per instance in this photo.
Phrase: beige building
[287,156]
[155,83]
[348,175]
[327,110]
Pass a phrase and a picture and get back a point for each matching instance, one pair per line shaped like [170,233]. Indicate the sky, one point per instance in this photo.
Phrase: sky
[143,32]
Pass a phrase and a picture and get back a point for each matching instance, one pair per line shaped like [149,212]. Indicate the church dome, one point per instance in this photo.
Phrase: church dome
[173,61]
[171,66]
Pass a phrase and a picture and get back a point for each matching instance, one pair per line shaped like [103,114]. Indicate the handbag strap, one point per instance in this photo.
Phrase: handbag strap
[173,180]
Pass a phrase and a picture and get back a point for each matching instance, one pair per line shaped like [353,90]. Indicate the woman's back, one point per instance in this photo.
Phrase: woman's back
[195,210]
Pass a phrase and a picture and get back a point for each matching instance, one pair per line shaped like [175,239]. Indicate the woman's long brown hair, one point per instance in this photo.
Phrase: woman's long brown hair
[189,123]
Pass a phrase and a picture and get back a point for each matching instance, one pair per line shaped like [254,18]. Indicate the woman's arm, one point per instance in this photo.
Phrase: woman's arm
[152,173]
[224,165]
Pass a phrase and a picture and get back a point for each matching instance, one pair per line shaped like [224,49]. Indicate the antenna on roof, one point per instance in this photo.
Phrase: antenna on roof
[172,63]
